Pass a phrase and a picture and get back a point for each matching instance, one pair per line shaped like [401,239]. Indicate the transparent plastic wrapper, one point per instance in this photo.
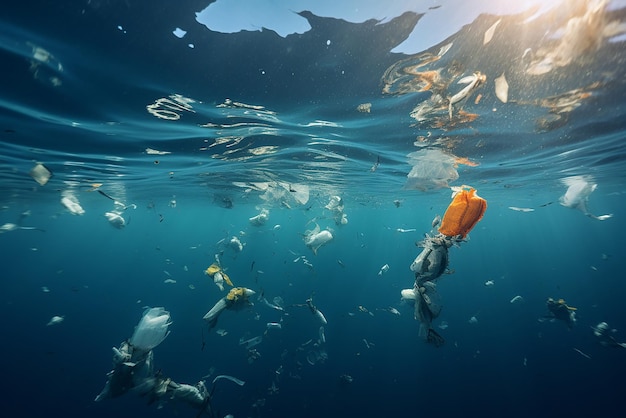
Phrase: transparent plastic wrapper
[71,203]
[232,379]
[579,188]
[115,219]
[315,238]
[260,219]
[432,169]
[251,342]
[152,329]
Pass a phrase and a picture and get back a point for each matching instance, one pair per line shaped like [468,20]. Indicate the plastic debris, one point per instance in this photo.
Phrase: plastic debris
[115,219]
[364,108]
[261,218]
[322,336]
[605,335]
[393,311]
[489,32]
[336,206]
[384,269]
[236,298]
[55,320]
[315,238]
[404,231]
[473,82]
[515,208]
[502,88]
[473,320]
[431,169]
[433,260]
[219,276]
[152,329]
[69,200]
[231,378]
[235,244]
[151,151]
[41,174]
[517,299]
[252,342]
[318,314]
[168,280]
[579,188]
[582,354]
[489,283]
[274,325]
[463,213]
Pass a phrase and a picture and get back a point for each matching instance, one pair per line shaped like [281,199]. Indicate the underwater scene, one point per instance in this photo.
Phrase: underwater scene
[313,208]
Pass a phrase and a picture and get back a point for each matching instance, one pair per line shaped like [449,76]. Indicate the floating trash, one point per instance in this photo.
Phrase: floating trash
[502,89]
[221,332]
[384,269]
[232,379]
[515,208]
[322,336]
[473,82]
[517,299]
[151,151]
[315,238]
[260,219]
[274,325]
[463,213]
[115,219]
[55,320]
[473,320]
[364,108]
[41,174]
[235,244]
[579,188]
[152,329]
[393,311]
[489,283]
[252,342]
[69,200]
[172,281]
[489,32]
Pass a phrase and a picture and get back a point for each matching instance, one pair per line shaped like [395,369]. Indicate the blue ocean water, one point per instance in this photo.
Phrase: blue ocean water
[188,138]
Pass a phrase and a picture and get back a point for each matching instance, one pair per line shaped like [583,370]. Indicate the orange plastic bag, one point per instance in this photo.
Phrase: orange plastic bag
[463,213]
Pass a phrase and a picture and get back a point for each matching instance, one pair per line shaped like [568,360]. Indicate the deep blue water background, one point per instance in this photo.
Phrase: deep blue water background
[94,128]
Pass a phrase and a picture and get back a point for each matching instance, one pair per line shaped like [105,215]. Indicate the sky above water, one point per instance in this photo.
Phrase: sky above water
[441,18]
